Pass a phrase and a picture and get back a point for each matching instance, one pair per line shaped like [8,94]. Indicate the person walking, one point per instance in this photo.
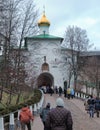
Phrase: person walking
[97,106]
[72,93]
[44,113]
[91,110]
[59,118]
[86,104]
[26,117]
[91,103]
[65,92]
[68,93]
[51,91]
[56,90]
[60,90]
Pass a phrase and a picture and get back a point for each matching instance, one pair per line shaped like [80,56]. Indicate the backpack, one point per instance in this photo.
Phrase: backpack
[24,117]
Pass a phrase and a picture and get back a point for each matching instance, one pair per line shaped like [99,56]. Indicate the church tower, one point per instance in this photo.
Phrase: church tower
[46,63]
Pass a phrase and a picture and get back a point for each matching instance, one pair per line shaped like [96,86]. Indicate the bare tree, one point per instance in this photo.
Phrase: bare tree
[18,19]
[76,40]
[27,25]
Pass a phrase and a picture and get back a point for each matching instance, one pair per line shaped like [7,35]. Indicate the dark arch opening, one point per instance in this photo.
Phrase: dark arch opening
[45,79]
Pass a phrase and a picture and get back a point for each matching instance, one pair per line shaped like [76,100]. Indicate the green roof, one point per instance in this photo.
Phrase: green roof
[44,36]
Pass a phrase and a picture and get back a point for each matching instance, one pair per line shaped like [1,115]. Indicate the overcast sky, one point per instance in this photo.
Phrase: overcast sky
[82,13]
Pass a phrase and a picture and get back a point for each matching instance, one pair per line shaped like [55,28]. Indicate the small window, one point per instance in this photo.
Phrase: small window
[45,67]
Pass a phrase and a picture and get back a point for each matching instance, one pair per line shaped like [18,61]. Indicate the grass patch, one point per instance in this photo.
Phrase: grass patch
[24,97]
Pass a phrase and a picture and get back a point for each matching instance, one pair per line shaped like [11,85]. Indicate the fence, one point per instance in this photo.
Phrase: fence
[81,95]
[14,123]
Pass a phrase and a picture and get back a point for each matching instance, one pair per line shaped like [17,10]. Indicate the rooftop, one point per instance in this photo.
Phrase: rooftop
[90,53]
[44,36]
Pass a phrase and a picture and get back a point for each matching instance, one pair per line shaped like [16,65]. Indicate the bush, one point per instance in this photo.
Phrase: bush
[12,108]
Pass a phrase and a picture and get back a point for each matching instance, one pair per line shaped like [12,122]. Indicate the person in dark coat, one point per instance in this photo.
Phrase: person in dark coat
[91,110]
[51,91]
[91,103]
[97,106]
[60,91]
[44,113]
[59,118]
[65,93]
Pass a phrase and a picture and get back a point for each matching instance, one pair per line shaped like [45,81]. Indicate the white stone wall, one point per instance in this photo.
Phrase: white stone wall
[57,62]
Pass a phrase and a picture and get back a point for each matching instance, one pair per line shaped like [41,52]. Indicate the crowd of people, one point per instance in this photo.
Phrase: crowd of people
[59,117]
[52,118]
[92,106]
[68,92]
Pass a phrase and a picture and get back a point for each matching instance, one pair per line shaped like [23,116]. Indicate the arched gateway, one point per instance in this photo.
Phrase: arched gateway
[45,79]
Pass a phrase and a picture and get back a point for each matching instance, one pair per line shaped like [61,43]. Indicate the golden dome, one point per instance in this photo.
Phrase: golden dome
[44,21]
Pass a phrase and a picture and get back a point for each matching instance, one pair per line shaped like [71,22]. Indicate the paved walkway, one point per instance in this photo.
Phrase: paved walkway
[77,102]
[51,99]
[80,104]
[37,122]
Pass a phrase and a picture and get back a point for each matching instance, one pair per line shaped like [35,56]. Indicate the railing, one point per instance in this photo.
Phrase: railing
[14,123]
[81,95]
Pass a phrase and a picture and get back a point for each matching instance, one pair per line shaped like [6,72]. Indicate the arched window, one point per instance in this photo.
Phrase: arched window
[45,67]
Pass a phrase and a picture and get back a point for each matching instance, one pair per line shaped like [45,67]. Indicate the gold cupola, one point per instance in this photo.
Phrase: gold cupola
[44,24]
[43,21]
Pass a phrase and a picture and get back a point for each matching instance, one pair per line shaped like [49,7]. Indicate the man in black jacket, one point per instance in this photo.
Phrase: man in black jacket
[59,118]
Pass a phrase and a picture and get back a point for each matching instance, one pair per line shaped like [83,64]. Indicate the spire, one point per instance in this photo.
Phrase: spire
[44,23]
[44,9]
